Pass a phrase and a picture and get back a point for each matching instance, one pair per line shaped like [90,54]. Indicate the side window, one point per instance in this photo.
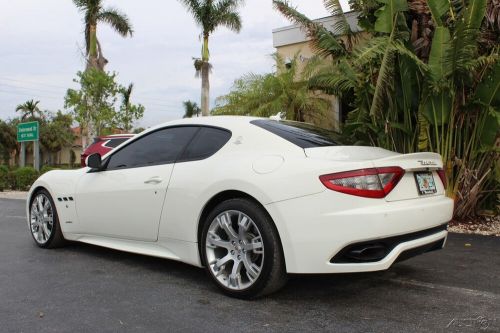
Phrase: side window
[206,143]
[160,147]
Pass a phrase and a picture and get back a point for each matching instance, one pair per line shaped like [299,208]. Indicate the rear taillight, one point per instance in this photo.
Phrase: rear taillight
[442,175]
[370,183]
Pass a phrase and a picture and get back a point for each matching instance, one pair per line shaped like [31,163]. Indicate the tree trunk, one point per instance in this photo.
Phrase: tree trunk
[205,83]
[92,61]
[205,89]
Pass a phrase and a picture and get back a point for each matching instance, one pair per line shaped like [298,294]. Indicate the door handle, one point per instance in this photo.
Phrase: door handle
[153,180]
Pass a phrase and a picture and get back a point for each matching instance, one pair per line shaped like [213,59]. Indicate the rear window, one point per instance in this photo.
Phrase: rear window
[301,134]
[206,143]
[113,143]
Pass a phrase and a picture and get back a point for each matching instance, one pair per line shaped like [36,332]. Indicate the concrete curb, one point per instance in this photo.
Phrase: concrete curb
[14,195]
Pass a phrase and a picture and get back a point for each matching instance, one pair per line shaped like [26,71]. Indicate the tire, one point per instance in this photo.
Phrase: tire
[254,247]
[50,236]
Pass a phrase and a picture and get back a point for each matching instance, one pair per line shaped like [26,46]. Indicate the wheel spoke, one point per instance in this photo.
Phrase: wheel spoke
[243,225]
[46,206]
[255,245]
[235,277]
[221,262]
[45,229]
[252,269]
[39,204]
[34,207]
[40,235]
[215,241]
[225,224]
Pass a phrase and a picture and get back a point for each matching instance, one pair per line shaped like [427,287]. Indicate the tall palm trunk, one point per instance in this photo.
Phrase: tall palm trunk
[205,82]
[92,61]
[205,89]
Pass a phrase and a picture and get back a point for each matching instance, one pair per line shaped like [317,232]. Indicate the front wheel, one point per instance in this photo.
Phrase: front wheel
[242,251]
[44,222]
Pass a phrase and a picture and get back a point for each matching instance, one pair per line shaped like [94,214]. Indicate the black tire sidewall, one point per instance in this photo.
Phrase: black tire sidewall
[269,236]
[55,225]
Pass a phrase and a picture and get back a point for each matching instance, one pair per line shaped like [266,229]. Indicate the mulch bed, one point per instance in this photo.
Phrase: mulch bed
[489,226]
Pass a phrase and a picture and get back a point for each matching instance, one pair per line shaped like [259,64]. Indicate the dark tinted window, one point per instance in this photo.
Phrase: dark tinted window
[206,143]
[160,147]
[113,143]
[301,134]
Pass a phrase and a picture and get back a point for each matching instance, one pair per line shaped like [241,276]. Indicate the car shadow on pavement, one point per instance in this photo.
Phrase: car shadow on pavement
[299,286]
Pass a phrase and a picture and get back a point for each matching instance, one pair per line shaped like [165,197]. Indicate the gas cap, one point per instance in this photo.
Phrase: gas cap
[267,164]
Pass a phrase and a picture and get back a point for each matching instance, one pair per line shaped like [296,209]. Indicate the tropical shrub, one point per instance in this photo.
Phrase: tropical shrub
[428,79]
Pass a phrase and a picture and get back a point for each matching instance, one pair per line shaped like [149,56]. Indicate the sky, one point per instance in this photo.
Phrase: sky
[41,50]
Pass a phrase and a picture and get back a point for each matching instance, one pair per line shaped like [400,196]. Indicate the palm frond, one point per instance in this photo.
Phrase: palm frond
[230,20]
[225,13]
[193,6]
[324,42]
[117,20]
[341,27]
[384,80]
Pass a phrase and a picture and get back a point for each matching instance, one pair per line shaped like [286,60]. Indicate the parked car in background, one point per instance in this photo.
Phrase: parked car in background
[103,145]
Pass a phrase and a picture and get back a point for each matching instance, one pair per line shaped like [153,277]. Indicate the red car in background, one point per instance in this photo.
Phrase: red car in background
[104,144]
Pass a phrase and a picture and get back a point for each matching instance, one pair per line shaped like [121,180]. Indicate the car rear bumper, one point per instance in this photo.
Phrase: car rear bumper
[316,230]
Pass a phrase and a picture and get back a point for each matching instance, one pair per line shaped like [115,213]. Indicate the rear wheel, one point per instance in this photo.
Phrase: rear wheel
[44,222]
[242,251]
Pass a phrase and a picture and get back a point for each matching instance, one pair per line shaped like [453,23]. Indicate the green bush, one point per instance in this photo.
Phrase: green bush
[24,177]
[4,172]
[11,180]
[46,168]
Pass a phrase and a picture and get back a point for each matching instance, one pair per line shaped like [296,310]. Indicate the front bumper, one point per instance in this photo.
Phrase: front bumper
[315,229]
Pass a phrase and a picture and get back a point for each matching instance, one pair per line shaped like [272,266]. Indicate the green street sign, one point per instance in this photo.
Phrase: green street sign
[28,131]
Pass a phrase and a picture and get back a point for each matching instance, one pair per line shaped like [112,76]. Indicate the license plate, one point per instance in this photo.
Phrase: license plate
[425,183]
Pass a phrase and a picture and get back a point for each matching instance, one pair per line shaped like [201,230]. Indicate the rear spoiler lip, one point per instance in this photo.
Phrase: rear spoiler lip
[426,161]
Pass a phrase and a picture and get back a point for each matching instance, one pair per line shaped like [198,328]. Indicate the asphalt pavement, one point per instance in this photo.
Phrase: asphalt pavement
[84,288]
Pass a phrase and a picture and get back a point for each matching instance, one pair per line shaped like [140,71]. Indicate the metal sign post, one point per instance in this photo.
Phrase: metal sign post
[29,132]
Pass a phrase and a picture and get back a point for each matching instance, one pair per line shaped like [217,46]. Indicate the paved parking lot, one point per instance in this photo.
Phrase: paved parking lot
[91,289]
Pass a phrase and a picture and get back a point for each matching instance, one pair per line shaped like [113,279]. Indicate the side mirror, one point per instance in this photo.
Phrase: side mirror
[94,161]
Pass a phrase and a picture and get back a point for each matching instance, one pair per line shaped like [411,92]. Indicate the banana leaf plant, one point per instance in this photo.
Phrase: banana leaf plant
[420,78]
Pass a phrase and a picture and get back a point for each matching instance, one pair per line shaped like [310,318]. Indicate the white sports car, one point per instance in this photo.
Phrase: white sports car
[249,199]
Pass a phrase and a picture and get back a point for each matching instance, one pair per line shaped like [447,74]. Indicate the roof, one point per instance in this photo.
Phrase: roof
[293,34]
[222,121]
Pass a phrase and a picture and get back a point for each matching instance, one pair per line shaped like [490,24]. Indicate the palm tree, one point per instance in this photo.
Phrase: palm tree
[285,93]
[209,15]
[191,109]
[29,109]
[94,13]
[128,111]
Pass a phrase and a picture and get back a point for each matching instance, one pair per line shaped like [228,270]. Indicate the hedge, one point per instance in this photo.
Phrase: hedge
[4,172]
[18,179]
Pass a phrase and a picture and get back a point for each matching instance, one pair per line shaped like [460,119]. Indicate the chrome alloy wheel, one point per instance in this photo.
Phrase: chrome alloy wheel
[41,218]
[235,258]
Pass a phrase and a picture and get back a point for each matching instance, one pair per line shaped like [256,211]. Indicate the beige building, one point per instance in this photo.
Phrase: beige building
[291,40]
[62,157]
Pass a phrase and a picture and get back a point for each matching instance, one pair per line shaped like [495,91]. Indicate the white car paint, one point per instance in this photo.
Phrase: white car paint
[117,209]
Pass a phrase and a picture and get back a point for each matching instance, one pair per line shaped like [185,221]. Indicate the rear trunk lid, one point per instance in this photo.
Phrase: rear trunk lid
[420,180]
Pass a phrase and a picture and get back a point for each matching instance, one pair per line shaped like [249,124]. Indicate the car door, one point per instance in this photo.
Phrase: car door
[191,177]
[125,199]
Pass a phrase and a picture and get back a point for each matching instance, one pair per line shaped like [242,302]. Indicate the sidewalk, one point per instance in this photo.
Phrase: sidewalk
[13,195]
